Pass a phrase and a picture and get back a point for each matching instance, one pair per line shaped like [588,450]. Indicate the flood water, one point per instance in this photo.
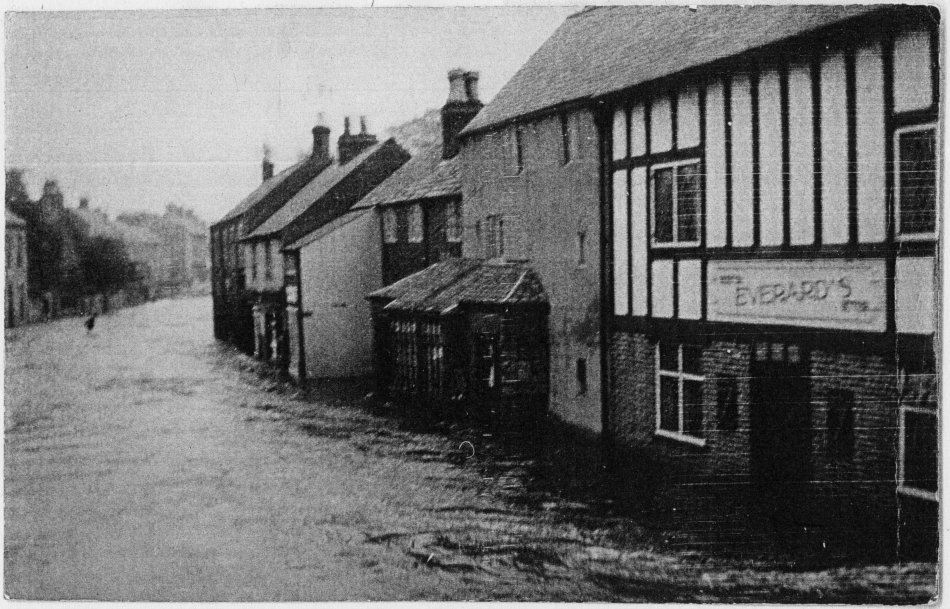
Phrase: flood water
[144,461]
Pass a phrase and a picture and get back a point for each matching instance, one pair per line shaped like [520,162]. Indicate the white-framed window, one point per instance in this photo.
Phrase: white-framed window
[415,223]
[917,462]
[268,261]
[915,167]
[514,150]
[390,234]
[453,222]
[675,198]
[679,392]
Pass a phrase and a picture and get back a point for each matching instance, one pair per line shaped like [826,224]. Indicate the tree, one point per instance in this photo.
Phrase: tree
[106,265]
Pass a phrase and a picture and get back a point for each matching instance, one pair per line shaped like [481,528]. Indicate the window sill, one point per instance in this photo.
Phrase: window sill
[916,236]
[679,437]
[917,493]
[673,244]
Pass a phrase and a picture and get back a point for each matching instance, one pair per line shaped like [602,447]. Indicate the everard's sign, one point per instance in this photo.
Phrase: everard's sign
[824,293]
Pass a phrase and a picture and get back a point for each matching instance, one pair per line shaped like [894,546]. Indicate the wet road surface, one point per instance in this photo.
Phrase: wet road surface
[144,461]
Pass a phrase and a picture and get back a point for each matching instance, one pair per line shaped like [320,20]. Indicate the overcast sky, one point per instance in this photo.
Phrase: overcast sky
[137,109]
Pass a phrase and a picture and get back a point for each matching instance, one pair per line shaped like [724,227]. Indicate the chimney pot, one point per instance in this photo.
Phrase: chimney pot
[460,108]
[321,143]
[346,125]
[363,125]
[457,86]
[471,86]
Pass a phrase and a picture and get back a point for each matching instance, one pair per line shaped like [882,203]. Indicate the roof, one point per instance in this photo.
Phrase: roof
[262,191]
[426,175]
[610,48]
[13,219]
[312,192]
[326,229]
[445,285]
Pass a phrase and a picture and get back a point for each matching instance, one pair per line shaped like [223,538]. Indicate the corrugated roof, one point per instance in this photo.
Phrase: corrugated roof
[13,219]
[445,285]
[262,191]
[426,175]
[611,48]
[312,192]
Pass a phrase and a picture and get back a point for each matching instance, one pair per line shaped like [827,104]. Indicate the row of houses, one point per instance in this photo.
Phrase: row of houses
[706,235]
[169,253]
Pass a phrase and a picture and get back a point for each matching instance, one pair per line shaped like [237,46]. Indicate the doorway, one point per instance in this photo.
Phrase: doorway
[780,423]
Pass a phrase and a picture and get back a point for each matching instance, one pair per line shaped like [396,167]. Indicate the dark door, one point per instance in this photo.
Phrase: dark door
[780,434]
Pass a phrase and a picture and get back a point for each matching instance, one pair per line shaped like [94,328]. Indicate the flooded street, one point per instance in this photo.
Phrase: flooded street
[144,461]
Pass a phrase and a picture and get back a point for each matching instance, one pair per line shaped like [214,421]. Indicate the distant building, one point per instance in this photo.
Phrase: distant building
[769,195]
[145,249]
[232,308]
[323,299]
[16,311]
[182,260]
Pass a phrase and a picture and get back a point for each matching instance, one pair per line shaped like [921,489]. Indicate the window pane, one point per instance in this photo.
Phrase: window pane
[693,359]
[918,181]
[920,451]
[693,408]
[687,200]
[669,358]
[669,403]
[663,205]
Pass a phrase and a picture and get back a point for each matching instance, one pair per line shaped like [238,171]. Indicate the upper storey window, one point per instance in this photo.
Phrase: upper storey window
[453,224]
[390,235]
[916,159]
[676,194]
[415,224]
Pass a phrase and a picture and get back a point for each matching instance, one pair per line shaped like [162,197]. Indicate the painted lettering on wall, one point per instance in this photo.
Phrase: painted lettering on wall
[828,293]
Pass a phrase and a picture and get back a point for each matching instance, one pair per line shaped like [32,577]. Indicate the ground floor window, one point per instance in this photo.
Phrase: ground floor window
[917,458]
[679,392]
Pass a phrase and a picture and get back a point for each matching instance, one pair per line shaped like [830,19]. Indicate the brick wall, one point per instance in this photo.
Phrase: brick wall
[551,202]
[705,490]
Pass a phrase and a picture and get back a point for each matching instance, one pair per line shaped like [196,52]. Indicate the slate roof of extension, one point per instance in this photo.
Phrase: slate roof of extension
[426,175]
[445,285]
[261,191]
[605,49]
[312,192]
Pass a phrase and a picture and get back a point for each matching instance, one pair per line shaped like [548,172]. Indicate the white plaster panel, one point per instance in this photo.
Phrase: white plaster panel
[662,288]
[801,155]
[869,100]
[689,284]
[715,220]
[741,160]
[770,158]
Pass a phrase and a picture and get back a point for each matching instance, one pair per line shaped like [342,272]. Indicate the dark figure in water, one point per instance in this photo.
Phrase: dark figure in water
[91,323]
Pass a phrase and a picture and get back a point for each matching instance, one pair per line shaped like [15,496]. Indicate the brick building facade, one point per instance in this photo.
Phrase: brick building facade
[232,309]
[762,184]
[281,334]
[530,186]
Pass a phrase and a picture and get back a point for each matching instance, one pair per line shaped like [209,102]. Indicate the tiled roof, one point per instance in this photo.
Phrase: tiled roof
[426,175]
[262,191]
[312,192]
[13,219]
[606,49]
[445,285]
[326,229]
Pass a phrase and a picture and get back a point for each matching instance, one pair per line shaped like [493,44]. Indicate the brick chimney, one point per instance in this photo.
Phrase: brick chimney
[349,145]
[267,167]
[461,107]
[321,142]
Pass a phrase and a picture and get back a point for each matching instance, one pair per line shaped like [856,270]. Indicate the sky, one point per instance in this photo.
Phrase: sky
[137,109]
